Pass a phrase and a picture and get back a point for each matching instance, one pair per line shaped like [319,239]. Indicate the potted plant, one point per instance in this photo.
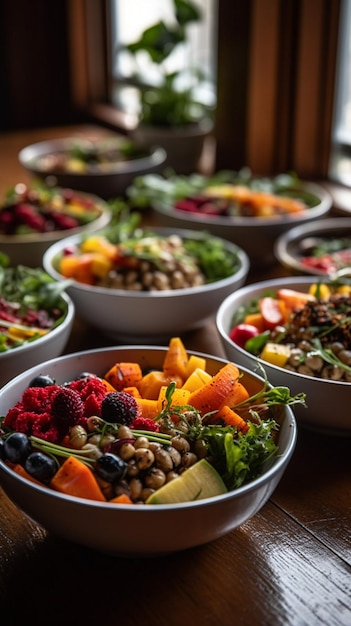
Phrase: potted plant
[171,115]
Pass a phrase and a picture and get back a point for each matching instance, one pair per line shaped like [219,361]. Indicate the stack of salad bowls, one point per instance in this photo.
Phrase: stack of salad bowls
[300,341]
[160,524]
[132,311]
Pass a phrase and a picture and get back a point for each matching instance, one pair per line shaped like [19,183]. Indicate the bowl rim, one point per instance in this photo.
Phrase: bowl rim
[240,274]
[38,343]
[298,233]
[277,462]
[319,210]
[29,154]
[99,222]
[261,286]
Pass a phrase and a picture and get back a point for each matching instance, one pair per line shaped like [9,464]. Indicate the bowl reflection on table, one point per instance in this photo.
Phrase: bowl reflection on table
[327,400]
[140,530]
[148,315]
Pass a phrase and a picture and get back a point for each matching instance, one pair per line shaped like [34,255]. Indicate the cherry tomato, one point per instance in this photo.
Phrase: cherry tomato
[241,333]
[271,312]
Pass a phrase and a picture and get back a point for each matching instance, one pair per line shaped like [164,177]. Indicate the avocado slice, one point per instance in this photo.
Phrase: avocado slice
[199,481]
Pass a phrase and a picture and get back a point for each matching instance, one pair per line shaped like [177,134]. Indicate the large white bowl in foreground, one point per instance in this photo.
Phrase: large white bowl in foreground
[328,401]
[147,316]
[136,529]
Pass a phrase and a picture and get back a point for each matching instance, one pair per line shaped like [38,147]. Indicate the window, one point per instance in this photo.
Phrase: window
[340,165]
[198,51]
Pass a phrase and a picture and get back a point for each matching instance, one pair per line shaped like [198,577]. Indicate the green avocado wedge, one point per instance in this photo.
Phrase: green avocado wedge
[199,481]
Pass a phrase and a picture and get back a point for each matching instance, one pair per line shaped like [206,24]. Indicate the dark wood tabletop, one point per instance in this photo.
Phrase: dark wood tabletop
[290,565]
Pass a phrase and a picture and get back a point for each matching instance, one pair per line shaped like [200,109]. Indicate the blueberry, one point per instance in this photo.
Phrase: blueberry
[110,467]
[16,448]
[42,380]
[41,466]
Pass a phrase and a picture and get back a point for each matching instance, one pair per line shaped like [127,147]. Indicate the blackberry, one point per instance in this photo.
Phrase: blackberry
[67,406]
[119,407]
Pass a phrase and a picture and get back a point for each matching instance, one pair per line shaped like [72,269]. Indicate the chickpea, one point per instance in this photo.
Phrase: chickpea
[101,441]
[188,459]
[171,476]
[132,468]
[141,442]
[146,493]
[78,436]
[163,460]
[126,451]
[175,456]
[155,478]
[180,443]
[135,488]
[94,423]
[144,458]
[94,451]
[124,432]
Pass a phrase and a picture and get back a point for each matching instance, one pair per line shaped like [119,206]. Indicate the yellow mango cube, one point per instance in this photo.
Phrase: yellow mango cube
[276,354]
[198,378]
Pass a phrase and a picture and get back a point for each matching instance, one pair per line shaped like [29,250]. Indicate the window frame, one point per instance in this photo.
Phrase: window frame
[276,81]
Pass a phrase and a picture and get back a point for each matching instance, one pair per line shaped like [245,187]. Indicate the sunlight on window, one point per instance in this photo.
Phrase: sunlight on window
[340,164]
[130,18]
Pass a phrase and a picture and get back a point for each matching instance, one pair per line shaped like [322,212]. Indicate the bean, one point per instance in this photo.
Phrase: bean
[144,458]
[135,488]
[163,460]
[94,423]
[78,436]
[126,451]
[180,443]
[188,459]
[155,478]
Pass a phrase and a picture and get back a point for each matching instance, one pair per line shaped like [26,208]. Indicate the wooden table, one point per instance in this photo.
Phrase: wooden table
[288,566]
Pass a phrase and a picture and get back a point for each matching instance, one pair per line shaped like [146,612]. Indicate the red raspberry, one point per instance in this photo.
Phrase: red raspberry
[67,407]
[143,423]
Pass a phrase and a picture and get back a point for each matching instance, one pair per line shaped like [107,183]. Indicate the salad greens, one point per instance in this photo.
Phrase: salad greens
[155,188]
[30,304]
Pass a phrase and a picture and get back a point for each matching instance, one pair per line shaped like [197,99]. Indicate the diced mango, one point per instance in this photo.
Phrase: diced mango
[197,379]
[180,397]
[195,362]
[276,354]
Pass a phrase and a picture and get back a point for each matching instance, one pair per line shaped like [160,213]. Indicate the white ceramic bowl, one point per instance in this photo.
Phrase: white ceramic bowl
[29,249]
[295,243]
[106,184]
[148,316]
[256,236]
[328,401]
[17,360]
[131,529]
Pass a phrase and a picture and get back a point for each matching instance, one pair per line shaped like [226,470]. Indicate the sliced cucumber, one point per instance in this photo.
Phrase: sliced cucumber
[200,481]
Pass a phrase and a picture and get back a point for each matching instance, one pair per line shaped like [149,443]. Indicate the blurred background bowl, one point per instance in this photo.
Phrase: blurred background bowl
[109,182]
[132,530]
[328,401]
[297,243]
[148,315]
[20,359]
[28,249]
[256,235]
